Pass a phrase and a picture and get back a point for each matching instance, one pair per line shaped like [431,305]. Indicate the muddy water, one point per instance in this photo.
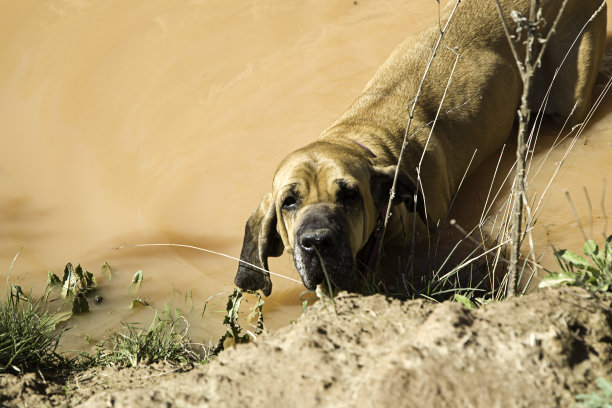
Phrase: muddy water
[150,122]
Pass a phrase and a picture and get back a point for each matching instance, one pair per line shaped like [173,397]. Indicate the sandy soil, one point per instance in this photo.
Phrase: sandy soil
[540,350]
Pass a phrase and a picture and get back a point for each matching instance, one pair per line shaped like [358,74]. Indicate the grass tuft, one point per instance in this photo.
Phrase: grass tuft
[28,335]
[165,340]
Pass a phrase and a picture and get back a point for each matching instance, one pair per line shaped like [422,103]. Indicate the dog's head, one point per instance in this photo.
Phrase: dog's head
[324,207]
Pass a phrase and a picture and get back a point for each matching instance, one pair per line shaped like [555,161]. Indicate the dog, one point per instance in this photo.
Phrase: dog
[327,197]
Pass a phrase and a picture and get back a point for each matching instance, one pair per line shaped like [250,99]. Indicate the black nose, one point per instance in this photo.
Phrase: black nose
[322,239]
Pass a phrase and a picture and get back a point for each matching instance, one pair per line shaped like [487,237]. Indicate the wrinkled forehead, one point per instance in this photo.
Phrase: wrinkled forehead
[322,167]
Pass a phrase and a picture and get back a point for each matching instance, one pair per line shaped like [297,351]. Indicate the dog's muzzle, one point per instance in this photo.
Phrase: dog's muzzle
[322,247]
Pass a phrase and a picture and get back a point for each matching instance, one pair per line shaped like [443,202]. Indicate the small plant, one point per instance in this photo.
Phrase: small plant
[28,335]
[165,340]
[137,278]
[234,335]
[75,284]
[465,301]
[472,303]
[602,399]
[593,273]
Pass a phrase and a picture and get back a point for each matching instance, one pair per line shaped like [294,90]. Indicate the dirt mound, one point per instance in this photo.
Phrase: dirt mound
[538,350]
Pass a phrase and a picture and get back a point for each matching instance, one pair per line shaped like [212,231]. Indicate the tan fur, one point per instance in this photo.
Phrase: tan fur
[476,117]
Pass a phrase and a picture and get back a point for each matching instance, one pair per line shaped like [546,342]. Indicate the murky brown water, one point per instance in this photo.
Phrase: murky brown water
[149,121]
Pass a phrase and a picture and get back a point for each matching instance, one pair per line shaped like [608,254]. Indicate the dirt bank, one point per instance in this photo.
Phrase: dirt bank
[539,350]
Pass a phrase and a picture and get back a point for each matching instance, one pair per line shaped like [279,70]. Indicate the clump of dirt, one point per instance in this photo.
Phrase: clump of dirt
[537,350]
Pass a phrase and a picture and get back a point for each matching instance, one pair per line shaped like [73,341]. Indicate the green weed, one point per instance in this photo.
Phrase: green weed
[593,272]
[234,335]
[75,285]
[29,337]
[602,399]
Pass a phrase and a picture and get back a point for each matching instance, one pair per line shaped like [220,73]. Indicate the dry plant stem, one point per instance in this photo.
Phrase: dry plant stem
[527,70]
[328,281]
[529,235]
[484,207]
[418,169]
[588,199]
[211,252]
[453,202]
[518,188]
[603,208]
[407,132]
[575,214]
[531,216]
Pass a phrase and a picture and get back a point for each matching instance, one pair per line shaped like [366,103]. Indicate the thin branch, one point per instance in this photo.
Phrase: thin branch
[407,131]
[538,61]
[509,38]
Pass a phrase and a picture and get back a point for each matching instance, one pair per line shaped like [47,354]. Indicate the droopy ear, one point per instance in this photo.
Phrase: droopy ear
[260,241]
[405,190]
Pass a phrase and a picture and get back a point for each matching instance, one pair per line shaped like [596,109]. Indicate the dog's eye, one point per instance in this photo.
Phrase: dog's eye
[348,196]
[289,203]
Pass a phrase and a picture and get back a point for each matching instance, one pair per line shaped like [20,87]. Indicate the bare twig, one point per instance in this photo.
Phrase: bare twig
[551,32]
[527,70]
[509,37]
[407,132]
[518,188]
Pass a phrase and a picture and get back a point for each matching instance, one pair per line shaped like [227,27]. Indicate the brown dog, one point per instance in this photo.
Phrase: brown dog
[327,197]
